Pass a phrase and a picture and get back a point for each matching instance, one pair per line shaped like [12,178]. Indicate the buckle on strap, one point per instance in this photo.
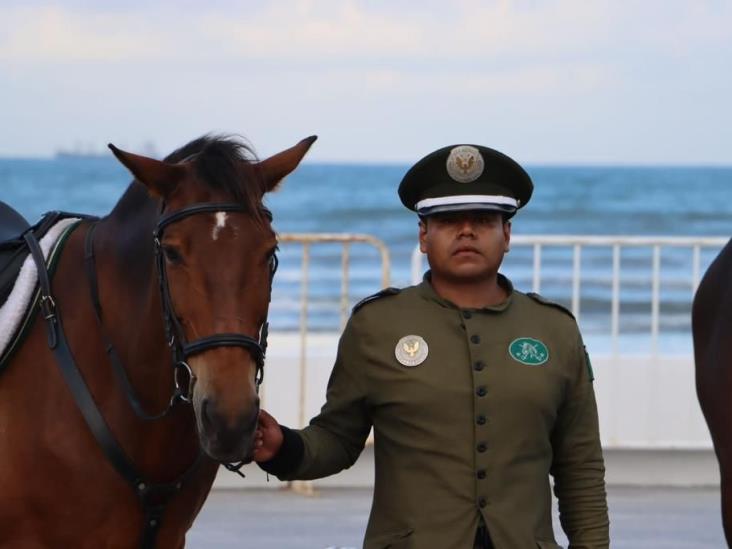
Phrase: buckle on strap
[184,391]
[48,307]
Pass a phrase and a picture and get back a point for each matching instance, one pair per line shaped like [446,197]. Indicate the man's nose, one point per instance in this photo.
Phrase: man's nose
[466,227]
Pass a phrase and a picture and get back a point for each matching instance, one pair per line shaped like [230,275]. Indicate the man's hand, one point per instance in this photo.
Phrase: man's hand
[268,438]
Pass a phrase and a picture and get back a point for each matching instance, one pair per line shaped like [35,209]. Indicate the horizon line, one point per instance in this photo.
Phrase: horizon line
[406,163]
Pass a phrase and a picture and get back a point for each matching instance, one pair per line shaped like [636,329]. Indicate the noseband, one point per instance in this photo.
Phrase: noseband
[181,348]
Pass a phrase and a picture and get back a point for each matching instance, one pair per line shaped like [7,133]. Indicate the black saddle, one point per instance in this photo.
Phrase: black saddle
[13,246]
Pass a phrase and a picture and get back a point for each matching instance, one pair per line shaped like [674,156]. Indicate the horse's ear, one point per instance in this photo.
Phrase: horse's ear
[275,168]
[159,177]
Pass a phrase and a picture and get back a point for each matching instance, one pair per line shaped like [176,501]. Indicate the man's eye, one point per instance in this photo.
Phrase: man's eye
[273,262]
[172,255]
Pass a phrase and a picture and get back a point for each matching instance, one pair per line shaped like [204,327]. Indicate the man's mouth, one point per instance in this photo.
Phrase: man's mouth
[465,250]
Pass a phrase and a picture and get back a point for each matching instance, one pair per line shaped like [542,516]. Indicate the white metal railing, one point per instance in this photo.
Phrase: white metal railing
[616,244]
[644,401]
[307,240]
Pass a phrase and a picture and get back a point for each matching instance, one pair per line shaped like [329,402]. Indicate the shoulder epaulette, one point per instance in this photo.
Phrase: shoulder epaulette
[378,295]
[545,301]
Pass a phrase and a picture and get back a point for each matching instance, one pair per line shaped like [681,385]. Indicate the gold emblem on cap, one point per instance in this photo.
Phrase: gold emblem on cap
[411,350]
[465,164]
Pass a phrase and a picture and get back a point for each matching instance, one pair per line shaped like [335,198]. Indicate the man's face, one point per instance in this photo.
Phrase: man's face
[464,246]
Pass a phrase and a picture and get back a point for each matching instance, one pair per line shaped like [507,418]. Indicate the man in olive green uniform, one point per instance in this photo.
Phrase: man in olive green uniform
[476,392]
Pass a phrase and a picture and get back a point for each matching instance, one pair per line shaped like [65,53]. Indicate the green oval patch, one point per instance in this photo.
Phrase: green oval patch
[529,351]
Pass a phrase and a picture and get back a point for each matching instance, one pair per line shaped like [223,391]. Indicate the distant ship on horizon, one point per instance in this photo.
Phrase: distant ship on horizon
[69,154]
[89,152]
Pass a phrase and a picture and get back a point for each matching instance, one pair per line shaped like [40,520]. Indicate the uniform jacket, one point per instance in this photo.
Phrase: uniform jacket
[471,433]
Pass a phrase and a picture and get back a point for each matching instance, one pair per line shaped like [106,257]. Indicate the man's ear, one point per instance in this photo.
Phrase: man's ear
[507,235]
[423,235]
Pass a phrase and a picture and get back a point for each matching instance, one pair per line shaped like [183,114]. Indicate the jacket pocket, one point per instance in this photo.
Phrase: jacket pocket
[547,544]
[401,539]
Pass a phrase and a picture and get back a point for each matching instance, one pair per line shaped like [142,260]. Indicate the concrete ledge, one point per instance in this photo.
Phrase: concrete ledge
[661,467]
[629,467]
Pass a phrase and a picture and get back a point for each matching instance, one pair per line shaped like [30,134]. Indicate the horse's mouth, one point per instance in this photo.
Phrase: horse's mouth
[227,453]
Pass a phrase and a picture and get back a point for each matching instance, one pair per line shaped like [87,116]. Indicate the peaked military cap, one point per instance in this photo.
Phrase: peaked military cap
[465,177]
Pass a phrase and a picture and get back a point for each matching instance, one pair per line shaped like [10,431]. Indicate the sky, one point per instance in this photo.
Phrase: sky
[547,82]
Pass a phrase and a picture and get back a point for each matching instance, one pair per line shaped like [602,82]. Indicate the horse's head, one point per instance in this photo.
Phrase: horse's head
[215,255]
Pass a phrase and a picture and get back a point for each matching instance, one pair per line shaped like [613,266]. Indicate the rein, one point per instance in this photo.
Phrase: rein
[153,497]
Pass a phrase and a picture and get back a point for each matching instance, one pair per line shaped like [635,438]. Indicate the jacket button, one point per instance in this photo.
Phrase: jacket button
[466,314]
[482,447]
[480,420]
[480,474]
[482,502]
[478,366]
[475,338]
[481,392]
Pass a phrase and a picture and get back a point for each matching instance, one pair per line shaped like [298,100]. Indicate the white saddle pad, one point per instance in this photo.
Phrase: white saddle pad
[14,309]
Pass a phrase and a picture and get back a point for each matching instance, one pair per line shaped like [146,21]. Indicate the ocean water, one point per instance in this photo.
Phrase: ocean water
[650,201]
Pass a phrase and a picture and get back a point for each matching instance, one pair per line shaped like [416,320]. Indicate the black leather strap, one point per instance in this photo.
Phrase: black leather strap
[153,497]
[203,207]
[174,332]
[114,359]
[91,272]
[225,340]
[48,306]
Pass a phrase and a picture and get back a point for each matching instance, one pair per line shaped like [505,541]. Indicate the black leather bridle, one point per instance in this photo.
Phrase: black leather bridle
[153,496]
[183,349]
[175,336]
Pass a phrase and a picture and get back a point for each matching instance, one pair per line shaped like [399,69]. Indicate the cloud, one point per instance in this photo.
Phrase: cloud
[388,72]
[319,32]
[53,34]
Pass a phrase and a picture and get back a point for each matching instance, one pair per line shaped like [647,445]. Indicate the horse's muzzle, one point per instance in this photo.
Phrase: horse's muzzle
[224,438]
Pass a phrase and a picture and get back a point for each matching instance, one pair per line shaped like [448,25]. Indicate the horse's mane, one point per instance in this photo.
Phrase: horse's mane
[222,163]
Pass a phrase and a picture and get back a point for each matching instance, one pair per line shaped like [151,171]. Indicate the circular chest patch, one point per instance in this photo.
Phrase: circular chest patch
[529,351]
[411,350]
[465,164]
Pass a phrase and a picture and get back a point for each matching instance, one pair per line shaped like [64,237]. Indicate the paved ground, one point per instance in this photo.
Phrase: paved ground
[641,518]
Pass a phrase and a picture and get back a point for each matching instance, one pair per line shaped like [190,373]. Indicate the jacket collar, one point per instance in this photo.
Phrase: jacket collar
[428,292]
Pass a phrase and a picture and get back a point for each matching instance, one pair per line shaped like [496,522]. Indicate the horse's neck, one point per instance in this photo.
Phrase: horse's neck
[132,319]
[130,301]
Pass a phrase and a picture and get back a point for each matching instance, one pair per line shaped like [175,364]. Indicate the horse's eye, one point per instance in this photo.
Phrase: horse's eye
[172,255]
[273,262]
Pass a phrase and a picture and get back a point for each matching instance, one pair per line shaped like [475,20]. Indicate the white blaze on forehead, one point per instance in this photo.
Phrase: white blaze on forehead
[220,224]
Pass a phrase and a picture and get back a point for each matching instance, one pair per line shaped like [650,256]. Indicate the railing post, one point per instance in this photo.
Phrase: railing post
[416,265]
[655,298]
[304,488]
[615,302]
[536,284]
[576,266]
[695,268]
[304,288]
[345,263]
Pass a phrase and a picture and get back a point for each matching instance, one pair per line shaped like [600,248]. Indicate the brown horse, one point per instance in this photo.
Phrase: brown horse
[712,330]
[179,273]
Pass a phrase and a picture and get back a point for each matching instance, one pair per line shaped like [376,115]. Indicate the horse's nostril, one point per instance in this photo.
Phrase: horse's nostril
[207,414]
